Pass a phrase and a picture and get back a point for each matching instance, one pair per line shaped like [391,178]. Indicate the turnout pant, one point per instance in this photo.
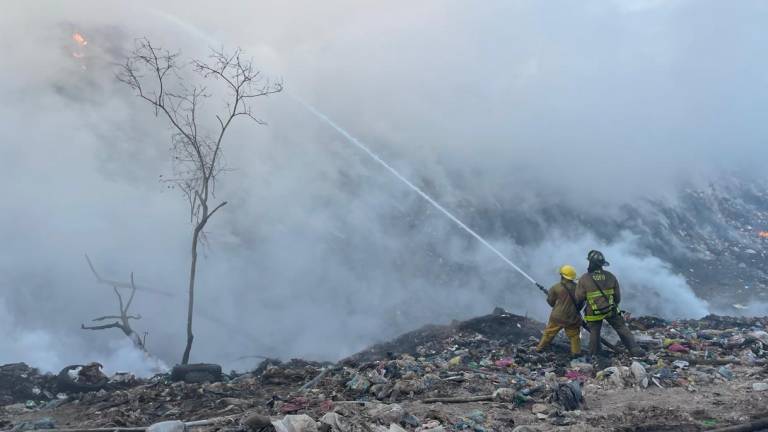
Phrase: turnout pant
[617,322]
[573,332]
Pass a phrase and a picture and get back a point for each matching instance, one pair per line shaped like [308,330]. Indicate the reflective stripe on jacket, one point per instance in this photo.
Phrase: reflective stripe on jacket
[597,313]
[598,306]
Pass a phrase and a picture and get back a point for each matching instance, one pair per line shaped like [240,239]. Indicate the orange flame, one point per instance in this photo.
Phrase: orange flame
[763,234]
[80,39]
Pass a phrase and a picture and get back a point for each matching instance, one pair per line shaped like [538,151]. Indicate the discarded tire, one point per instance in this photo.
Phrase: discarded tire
[65,383]
[196,373]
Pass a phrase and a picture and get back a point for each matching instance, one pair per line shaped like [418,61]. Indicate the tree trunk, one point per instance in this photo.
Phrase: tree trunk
[191,304]
[137,342]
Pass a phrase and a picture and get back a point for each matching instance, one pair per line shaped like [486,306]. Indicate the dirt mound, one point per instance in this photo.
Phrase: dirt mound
[644,323]
[499,326]
[502,326]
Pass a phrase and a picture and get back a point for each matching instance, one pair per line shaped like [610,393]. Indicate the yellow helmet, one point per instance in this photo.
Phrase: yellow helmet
[568,272]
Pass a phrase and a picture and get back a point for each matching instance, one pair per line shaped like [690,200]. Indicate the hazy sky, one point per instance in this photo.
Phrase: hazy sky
[592,104]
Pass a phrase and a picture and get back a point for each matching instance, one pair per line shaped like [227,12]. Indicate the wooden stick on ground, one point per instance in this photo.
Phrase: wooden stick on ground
[113,429]
[484,398]
[308,386]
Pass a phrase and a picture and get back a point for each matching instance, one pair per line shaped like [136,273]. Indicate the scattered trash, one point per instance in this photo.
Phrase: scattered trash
[505,362]
[386,413]
[358,383]
[486,369]
[524,429]
[40,424]
[167,426]
[641,376]
[392,428]
[20,383]
[725,372]
[647,341]
[258,423]
[582,366]
[290,423]
[122,378]
[431,426]
[614,375]
[505,395]
[475,421]
[568,396]
[676,347]
[81,378]
[196,373]
[411,420]
[336,422]
[576,375]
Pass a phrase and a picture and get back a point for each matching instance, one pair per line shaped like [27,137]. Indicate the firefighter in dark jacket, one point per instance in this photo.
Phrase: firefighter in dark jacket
[565,312]
[599,290]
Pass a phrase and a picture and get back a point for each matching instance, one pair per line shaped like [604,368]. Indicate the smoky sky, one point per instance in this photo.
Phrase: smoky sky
[486,105]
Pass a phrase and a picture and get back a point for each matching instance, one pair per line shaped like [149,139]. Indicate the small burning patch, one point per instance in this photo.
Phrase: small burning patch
[763,234]
[79,39]
[79,49]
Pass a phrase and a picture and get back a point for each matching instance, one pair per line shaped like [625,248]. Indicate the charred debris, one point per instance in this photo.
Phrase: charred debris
[476,375]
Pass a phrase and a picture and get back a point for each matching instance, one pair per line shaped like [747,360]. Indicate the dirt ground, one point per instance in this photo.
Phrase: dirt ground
[606,409]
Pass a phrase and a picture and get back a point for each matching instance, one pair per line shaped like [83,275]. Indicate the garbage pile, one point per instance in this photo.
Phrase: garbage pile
[477,375]
[22,386]
[20,382]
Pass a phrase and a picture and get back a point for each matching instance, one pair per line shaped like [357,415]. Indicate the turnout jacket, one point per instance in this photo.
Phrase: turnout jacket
[564,312]
[599,305]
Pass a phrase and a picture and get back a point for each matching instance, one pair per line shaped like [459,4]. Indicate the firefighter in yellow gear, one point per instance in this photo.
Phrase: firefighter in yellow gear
[565,311]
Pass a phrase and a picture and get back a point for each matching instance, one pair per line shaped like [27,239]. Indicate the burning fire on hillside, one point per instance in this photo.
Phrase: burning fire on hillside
[79,39]
[81,42]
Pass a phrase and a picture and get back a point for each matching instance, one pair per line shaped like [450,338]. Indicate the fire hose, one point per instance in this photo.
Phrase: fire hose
[375,157]
[608,345]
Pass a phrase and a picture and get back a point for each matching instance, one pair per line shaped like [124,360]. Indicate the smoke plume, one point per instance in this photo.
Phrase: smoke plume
[525,118]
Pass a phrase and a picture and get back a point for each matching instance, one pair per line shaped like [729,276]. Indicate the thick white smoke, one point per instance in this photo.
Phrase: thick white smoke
[648,285]
[523,105]
[51,352]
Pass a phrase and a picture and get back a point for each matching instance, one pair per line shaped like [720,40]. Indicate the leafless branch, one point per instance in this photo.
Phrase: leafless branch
[216,208]
[103,327]
[120,300]
[119,284]
[106,317]
[130,299]
[123,319]
[155,76]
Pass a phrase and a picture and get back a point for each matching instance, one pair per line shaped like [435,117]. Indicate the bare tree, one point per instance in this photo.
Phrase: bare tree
[123,320]
[155,75]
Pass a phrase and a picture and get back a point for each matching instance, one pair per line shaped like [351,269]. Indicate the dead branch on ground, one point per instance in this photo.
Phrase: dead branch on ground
[123,320]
